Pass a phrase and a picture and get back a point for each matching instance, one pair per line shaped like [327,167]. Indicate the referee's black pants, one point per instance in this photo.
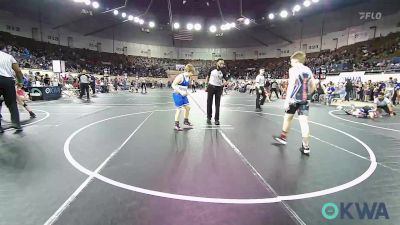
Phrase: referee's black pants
[7,90]
[84,88]
[211,92]
[264,96]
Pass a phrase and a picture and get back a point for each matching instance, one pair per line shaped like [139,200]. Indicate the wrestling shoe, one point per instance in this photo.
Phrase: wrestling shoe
[18,128]
[177,127]
[304,151]
[187,124]
[281,139]
[208,121]
[217,122]
[33,115]
[258,109]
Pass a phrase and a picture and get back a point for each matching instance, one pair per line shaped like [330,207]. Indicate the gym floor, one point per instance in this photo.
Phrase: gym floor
[117,160]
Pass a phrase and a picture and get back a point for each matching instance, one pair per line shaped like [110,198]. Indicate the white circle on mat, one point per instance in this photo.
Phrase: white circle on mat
[313,194]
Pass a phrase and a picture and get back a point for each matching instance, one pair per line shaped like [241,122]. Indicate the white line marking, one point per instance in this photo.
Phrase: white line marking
[272,106]
[257,175]
[156,96]
[340,148]
[221,125]
[216,128]
[365,124]
[96,111]
[34,122]
[138,104]
[276,199]
[67,203]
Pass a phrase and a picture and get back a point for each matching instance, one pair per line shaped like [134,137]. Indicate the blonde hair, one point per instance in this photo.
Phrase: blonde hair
[299,56]
[190,68]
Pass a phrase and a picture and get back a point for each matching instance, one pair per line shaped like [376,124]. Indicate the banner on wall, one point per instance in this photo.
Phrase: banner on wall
[58,66]
[353,76]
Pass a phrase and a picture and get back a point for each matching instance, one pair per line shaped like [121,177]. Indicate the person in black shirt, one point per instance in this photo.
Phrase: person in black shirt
[46,80]
[84,85]
[274,88]
[349,90]
[93,84]
[215,82]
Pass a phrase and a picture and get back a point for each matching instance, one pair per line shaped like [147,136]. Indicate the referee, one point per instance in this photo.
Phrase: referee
[84,80]
[214,87]
[9,67]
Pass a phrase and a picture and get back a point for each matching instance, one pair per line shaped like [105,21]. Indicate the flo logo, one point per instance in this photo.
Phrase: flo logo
[355,210]
[370,15]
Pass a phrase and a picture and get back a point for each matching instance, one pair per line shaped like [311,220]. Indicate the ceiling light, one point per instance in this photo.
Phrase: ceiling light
[315,1]
[136,19]
[197,26]
[283,13]
[123,15]
[306,3]
[95,5]
[141,22]
[189,26]
[130,17]
[247,21]
[296,8]
[213,28]
[152,24]
[223,27]
[271,16]
[116,12]
[232,25]
[176,25]
[87,2]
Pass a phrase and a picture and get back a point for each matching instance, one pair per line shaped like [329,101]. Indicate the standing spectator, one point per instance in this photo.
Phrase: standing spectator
[260,82]
[9,67]
[46,80]
[360,90]
[330,91]
[115,83]
[396,92]
[371,90]
[84,85]
[349,89]
[26,83]
[143,85]
[267,85]
[274,88]
[93,84]
[193,86]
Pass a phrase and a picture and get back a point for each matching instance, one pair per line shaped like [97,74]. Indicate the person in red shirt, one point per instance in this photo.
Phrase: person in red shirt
[21,99]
